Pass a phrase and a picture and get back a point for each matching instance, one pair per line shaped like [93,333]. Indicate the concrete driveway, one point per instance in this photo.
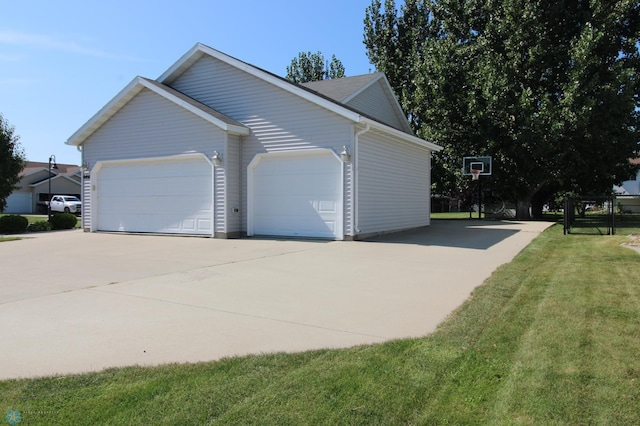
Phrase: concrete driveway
[72,302]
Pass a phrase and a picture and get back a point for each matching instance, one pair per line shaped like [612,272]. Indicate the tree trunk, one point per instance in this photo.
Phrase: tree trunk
[537,206]
[523,208]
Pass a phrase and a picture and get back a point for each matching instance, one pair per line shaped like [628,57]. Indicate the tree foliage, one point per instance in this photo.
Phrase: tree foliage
[309,66]
[12,161]
[548,88]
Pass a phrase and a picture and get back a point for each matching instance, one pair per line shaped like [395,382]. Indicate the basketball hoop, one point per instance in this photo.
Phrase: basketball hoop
[475,173]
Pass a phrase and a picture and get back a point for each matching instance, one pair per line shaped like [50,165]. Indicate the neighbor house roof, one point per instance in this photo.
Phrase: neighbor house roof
[54,178]
[63,169]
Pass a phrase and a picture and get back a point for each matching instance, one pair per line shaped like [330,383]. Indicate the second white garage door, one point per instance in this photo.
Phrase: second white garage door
[296,195]
[171,196]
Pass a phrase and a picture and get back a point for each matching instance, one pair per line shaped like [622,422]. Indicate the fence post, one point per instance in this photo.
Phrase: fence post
[565,216]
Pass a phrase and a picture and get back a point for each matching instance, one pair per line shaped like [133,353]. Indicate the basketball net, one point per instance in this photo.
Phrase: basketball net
[475,174]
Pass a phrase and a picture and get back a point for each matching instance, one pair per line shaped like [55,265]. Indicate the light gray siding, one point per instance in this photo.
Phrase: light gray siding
[393,184]
[219,199]
[86,202]
[149,126]
[278,119]
[233,173]
[374,101]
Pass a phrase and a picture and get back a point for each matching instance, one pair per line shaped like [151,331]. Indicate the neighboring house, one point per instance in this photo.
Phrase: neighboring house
[218,147]
[628,194]
[32,193]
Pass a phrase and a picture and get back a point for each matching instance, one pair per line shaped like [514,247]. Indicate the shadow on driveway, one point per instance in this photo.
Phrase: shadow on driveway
[469,234]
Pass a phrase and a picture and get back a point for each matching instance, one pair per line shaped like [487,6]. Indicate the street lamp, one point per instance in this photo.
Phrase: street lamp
[52,159]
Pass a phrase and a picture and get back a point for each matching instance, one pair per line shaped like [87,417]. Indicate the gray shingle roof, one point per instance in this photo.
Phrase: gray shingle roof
[340,89]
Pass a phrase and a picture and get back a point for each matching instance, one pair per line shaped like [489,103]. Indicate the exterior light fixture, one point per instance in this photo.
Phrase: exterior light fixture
[345,155]
[52,166]
[216,158]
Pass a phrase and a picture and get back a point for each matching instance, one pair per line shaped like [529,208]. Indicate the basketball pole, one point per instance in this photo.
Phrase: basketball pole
[479,198]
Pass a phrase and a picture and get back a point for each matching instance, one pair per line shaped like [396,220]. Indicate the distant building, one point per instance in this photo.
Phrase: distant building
[628,194]
[33,188]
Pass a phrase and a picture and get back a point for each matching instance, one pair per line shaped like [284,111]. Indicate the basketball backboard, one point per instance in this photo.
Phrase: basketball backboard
[483,164]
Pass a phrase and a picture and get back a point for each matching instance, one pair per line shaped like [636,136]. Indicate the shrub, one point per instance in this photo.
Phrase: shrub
[63,221]
[13,224]
[40,226]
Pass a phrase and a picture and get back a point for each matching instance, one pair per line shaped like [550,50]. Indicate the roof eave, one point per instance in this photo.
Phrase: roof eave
[400,134]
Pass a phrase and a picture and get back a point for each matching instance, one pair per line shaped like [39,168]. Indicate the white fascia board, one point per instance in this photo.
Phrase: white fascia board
[196,52]
[240,130]
[400,134]
[105,113]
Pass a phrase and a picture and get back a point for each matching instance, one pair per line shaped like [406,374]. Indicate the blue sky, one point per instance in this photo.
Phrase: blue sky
[60,62]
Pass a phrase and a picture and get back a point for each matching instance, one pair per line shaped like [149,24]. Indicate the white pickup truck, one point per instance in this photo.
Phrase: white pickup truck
[66,204]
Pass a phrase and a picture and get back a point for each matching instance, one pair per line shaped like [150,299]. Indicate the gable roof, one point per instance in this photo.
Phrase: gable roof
[136,86]
[318,98]
[57,177]
[161,87]
[343,89]
[346,89]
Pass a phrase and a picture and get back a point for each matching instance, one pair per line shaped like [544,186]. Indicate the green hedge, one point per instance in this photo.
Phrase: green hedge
[13,224]
[63,221]
[40,226]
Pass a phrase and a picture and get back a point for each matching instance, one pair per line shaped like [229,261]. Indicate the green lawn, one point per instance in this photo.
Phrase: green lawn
[551,338]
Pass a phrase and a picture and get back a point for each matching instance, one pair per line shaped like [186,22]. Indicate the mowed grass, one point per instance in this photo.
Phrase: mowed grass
[550,338]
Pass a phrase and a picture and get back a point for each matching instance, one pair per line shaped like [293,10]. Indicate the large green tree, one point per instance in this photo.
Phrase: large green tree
[309,66]
[12,161]
[549,88]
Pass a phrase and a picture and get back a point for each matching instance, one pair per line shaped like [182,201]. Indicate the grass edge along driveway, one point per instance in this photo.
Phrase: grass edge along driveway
[550,338]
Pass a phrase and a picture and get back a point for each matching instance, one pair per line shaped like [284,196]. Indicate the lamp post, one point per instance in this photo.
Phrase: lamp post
[52,159]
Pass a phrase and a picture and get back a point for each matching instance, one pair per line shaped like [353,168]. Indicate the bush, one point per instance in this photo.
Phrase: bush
[13,224]
[41,226]
[63,221]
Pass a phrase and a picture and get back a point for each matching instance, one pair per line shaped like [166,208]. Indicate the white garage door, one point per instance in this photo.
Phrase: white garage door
[18,202]
[297,195]
[161,196]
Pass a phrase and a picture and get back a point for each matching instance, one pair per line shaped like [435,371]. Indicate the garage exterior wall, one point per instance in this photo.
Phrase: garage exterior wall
[393,185]
[232,170]
[149,126]
[279,120]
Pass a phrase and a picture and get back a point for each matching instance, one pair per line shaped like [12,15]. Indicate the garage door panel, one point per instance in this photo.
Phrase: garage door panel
[172,196]
[298,195]
[18,203]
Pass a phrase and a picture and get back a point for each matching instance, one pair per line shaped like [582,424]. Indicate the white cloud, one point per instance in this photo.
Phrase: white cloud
[38,41]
